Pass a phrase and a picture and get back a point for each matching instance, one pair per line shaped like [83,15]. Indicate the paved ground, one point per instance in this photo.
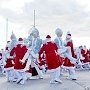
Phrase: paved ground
[83,83]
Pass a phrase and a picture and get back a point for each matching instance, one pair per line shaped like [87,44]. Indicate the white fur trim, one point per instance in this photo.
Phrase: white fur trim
[10,68]
[62,50]
[68,36]
[25,57]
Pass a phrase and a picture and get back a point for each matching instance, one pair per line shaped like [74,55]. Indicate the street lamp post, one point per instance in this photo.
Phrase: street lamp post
[6,30]
[34,18]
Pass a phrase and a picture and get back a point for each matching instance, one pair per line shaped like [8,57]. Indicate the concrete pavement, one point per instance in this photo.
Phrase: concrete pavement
[82,83]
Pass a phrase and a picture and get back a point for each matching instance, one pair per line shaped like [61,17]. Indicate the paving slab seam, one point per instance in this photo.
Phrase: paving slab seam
[83,86]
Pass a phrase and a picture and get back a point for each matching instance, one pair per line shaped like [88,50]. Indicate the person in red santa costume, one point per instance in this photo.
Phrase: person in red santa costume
[19,51]
[2,60]
[53,64]
[68,65]
[85,60]
[89,54]
[8,64]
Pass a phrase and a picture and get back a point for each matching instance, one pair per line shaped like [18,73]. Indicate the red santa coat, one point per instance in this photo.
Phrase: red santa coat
[67,61]
[42,59]
[19,51]
[52,59]
[9,63]
[89,55]
[85,55]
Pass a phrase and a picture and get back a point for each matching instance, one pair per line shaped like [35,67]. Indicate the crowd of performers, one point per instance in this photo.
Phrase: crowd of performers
[31,57]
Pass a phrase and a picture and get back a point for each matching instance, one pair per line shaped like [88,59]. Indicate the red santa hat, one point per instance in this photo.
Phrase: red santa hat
[48,36]
[68,35]
[20,39]
[8,46]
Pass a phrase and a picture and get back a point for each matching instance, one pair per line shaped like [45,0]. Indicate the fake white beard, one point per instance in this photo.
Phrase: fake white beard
[20,42]
[48,40]
[68,37]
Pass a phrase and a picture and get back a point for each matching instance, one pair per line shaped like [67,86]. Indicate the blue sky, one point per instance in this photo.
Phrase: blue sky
[69,15]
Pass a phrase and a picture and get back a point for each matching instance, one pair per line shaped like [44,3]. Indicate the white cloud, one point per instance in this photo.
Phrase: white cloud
[15,5]
[2,19]
[85,4]
[72,15]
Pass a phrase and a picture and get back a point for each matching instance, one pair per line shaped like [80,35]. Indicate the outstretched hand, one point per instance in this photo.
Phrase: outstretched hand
[21,61]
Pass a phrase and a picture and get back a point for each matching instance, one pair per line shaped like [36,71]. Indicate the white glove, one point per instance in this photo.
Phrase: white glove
[22,61]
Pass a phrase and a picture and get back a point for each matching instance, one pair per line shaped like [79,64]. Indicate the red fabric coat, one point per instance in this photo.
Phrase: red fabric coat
[67,61]
[9,63]
[85,55]
[89,55]
[19,51]
[52,59]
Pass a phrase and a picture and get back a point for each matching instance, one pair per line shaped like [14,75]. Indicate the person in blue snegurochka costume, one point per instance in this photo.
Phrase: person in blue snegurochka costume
[62,49]
[34,46]
[13,40]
